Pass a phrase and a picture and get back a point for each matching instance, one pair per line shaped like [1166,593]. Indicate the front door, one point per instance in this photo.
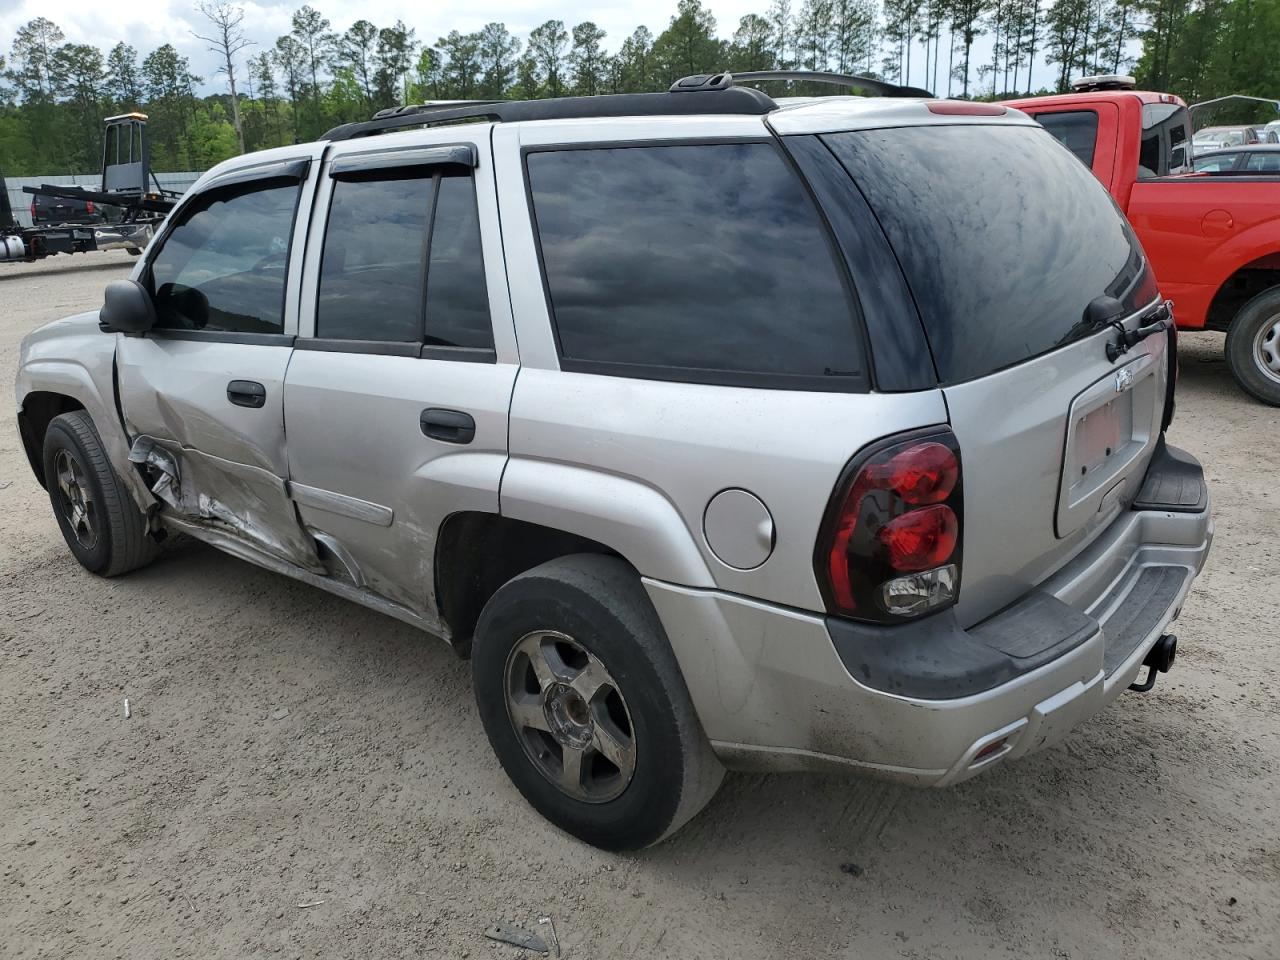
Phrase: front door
[399,388]
[203,392]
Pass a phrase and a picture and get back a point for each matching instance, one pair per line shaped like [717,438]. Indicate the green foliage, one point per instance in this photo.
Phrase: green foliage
[53,94]
[1204,49]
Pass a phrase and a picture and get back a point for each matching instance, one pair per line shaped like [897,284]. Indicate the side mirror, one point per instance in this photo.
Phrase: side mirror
[127,308]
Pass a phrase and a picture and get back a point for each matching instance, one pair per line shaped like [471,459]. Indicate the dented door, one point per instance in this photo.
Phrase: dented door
[398,393]
[203,392]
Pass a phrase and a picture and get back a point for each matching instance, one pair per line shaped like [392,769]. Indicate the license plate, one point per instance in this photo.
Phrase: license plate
[1103,432]
[1109,426]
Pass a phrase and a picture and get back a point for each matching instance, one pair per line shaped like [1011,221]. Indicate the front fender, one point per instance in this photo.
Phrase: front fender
[73,358]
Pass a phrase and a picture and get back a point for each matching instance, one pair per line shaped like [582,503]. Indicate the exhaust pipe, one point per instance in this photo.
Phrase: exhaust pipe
[1159,659]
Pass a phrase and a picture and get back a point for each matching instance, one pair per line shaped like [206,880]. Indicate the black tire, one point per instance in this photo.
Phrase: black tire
[114,539]
[599,602]
[1252,338]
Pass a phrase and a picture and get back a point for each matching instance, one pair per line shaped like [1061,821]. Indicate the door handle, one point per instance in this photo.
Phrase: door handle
[451,426]
[247,393]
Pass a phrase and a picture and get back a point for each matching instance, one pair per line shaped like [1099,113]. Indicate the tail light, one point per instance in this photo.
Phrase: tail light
[88,205]
[890,546]
[33,210]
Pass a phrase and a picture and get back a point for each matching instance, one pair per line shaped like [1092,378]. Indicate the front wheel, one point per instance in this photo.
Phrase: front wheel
[103,527]
[1253,347]
[585,705]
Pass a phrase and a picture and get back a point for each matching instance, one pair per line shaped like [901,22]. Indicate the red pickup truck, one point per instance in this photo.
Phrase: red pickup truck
[1213,240]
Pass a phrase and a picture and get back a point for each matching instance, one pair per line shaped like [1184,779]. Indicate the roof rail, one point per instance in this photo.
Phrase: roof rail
[707,82]
[736,100]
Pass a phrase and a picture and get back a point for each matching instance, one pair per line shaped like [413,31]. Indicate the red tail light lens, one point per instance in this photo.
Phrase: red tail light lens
[896,512]
[924,473]
[921,539]
[88,204]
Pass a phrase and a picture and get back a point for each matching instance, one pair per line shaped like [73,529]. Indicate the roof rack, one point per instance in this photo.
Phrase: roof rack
[705,82]
[737,100]
[717,93]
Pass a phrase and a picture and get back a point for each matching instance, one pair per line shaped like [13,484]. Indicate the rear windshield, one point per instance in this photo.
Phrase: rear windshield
[1003,235]
[1077,129]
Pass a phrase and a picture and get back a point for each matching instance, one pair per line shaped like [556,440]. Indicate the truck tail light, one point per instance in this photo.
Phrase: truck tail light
[891,538]
[33,210]
[88,205]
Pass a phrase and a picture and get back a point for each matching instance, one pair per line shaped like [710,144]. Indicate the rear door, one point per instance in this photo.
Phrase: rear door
[398,392]
[207,383]
[1004,252]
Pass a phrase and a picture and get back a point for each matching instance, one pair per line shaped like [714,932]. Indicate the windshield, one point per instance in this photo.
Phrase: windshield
[1004,236]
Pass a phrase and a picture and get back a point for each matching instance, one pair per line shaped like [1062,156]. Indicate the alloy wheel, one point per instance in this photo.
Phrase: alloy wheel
[75,498]
[570,716]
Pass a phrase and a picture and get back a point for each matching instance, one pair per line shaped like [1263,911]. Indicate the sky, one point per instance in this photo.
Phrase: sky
[147,24]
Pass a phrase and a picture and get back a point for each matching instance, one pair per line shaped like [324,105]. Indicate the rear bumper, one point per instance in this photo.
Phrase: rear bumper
[777,689]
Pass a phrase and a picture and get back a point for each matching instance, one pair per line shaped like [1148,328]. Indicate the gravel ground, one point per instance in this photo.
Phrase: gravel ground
[371,820]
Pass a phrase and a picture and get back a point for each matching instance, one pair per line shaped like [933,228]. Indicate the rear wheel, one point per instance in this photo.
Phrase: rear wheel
[99,520]
[1253,347]
[585,705]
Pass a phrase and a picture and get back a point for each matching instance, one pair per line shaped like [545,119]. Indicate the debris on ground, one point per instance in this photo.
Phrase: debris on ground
[517,937]
[126,708]
[852,869]
[555,939]
[309,903]
[280,714]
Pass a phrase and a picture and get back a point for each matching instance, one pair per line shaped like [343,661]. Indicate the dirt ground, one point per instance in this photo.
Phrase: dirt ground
[372,821]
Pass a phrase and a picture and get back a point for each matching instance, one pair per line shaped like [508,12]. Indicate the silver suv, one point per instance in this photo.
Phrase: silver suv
[717,431]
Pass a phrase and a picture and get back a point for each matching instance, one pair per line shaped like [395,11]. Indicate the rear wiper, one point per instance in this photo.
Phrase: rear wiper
[1128,338]
[1107,311]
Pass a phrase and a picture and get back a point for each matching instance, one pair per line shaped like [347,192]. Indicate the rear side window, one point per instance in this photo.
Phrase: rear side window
[373,269]
[1226,161]
[392,272]
[457,304]
[1263,162]
[1077,129]
[1003,236]
[705,263]
[223,265]
[1164,149]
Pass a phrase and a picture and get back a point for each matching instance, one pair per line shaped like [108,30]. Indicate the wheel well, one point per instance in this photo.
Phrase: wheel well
[476,553]
[1241,287]
[38,409]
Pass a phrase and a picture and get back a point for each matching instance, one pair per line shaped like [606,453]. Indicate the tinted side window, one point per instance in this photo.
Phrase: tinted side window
[371,273]
[1215,164]
[705,263]
[1263,162]
[223,266]
[1164,140]
[1179,146]
[457,302]
[1077,129]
